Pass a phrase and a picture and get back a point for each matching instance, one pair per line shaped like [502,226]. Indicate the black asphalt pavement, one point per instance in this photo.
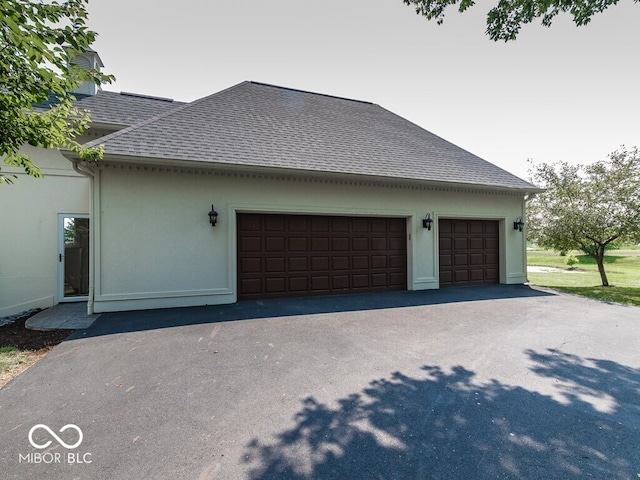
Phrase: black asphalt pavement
[500,382]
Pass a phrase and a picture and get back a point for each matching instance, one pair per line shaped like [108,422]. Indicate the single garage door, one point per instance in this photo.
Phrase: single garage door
[468,252]
[296,255]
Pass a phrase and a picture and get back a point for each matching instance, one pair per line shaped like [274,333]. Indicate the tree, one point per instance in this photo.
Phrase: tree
[592,208]
[505,20]
[37,41]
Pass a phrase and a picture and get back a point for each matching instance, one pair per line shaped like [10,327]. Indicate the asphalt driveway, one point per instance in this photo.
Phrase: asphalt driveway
[476,383]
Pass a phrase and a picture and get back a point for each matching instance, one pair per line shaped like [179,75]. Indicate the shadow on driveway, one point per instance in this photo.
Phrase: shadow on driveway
[447,426]
[121,322]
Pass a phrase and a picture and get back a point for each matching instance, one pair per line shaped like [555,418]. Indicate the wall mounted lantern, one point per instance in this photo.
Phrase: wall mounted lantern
[427,221]
[518,224]
[213,217]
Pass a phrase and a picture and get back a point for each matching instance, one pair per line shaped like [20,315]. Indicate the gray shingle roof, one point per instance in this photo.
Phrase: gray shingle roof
[258,125]
[124,108]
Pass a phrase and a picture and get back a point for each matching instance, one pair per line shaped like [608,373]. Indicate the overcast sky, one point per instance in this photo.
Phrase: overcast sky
[563,93]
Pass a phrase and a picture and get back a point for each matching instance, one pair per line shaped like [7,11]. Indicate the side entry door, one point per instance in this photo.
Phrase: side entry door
[73,258]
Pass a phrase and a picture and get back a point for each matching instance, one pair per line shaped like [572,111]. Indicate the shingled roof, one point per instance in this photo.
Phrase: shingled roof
[255,125]
[123,108]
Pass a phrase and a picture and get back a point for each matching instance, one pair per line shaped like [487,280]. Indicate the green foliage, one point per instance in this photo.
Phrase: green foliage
[37,39]
[625,275]
[505,20]
[571,261]
[591,208]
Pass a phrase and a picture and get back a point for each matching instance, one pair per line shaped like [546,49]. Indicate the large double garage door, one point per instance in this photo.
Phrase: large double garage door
[469,253]
[298,255]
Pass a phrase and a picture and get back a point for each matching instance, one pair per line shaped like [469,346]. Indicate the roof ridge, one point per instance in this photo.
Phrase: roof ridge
[150,97]
[310,93]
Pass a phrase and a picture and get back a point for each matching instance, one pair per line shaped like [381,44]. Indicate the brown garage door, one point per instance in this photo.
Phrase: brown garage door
[295,255]
[468,252]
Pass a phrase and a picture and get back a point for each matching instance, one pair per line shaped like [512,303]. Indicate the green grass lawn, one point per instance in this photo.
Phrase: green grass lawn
[622,267]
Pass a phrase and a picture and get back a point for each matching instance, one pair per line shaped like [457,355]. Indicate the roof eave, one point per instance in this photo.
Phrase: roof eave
[287,172]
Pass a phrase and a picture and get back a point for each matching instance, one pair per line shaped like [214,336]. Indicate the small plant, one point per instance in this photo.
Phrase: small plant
[571,261]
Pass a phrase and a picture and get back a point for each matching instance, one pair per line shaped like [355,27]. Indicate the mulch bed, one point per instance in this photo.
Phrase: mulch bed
[17,335]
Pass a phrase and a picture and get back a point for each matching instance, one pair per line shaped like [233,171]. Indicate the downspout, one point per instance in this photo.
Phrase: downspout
[83,169]
[526,198]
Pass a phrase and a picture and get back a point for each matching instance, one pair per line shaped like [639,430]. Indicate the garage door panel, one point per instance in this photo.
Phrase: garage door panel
[397,261]
[274,244]
[378,243]
[360,281]
[298,264]
[397,279]
[340,244]
[446,260]
[360,262]
[320,244]
[251,265]
[282,255]
[492,274]
[446,277]
[275,284]
[340,224]
[251,244]
[360,225]
[379,225]
[298,244]
[379,279]
[460,243]
[250,223]
[461,226]
[476,227]
[461,275]
[297,224]
[319,263]
[274,224]
[340,282]
[461,259]
[251,286]
[491,258]
[476,275]
[397,225]
[320,283]
[476,243]
[341,263]
[274,264]
[360,244]
[379,261]
[491,228]
[320,224]
[469,252]
[298,284]
[476,259]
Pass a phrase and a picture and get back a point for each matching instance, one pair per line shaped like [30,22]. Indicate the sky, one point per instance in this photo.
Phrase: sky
[561,93]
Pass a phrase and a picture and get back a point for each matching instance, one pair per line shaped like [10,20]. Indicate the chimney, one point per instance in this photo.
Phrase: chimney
[87,61]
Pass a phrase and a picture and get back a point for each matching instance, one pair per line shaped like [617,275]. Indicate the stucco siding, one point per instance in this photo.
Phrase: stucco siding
[155,246]
[29,241]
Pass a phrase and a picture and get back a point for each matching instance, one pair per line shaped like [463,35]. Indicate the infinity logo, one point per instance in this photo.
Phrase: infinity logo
[59,440]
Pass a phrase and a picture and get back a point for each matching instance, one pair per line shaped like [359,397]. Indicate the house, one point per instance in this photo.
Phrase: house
[45,222]
[261,191]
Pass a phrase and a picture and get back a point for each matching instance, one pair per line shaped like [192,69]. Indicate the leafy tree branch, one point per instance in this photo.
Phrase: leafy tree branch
[505,20]
[37,41]
[592,208]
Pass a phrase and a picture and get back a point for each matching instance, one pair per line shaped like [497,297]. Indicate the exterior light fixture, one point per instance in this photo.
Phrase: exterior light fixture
[213,217]
[518,224]
[427,221]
